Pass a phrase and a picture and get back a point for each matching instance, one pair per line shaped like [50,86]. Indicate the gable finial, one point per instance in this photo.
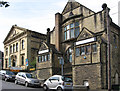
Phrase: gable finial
[71,0]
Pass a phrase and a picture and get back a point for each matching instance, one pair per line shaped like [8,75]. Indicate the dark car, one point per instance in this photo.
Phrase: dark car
[8,76]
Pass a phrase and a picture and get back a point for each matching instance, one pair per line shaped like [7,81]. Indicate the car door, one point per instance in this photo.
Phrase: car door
[18,77]
[23,77]
[53,82]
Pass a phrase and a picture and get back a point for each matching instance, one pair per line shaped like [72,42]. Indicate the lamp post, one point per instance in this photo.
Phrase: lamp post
[61,60]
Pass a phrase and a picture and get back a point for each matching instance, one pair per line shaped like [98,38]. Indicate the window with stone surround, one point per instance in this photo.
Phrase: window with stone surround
[10,49]
[16,47]
[13,48]
[115,41]
[6,51]
[88,49]
[39,59]
[71,31]
[85,50]
[22,44]
[77,51]
[94,48]
[22,60]
[43,58]
[82,50]
[69,54]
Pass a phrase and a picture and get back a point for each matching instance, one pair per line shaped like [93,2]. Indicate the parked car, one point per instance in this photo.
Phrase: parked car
[27,79]
[59,83]
[7,75]
[2,72]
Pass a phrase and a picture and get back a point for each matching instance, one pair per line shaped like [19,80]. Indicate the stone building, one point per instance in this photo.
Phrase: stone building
[20,48]
[80,37]
[47,59]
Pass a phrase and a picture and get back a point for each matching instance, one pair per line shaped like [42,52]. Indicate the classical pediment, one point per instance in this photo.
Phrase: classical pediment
[15,31]
[84,34]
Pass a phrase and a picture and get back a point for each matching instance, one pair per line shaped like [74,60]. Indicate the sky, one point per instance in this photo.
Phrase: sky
[38,15]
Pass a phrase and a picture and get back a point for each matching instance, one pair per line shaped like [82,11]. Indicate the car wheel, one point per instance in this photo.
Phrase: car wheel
[6,79]
[45,88]
[59,89]
[26,84]
[16,82]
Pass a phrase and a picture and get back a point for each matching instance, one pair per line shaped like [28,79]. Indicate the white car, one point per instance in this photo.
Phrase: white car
[27,79]
[59,83]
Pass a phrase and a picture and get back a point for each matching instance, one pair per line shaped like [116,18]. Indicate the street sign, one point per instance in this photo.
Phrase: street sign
[26,62]
[61,60]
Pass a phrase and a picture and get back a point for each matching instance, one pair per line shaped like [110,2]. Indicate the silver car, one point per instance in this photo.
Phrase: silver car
[27,79]
[59,83]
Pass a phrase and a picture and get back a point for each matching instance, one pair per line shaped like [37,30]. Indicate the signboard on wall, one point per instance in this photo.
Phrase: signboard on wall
[9,62]
[26,62]
[15,69]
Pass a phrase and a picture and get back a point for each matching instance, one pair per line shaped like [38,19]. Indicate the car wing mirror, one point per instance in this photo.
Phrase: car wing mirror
[50,80]
[23,76]
[3,74]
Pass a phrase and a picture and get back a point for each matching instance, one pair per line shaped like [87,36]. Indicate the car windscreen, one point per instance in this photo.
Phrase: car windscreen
[29,75]
[66,79]
[10,73]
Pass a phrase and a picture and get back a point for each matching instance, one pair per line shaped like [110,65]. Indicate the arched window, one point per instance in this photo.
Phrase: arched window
[114,38]
[22,60]
[69,54]
[14,63]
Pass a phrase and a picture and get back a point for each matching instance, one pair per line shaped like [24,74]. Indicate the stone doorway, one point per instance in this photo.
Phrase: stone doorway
[13,63]
[13,60]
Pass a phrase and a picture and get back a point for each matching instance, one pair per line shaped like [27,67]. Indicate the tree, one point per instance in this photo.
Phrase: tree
[3,3]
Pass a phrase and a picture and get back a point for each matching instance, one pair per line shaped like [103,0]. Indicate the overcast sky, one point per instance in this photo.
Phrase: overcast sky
[38,15]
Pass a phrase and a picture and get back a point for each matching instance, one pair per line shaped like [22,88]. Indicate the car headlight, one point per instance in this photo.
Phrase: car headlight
[30,81]
[9,76]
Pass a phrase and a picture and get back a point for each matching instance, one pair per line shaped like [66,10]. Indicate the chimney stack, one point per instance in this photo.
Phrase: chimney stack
[58,20]
[48,35]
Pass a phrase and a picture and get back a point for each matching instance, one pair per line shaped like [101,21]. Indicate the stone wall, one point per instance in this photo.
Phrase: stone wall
[44,73]
[90,73]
